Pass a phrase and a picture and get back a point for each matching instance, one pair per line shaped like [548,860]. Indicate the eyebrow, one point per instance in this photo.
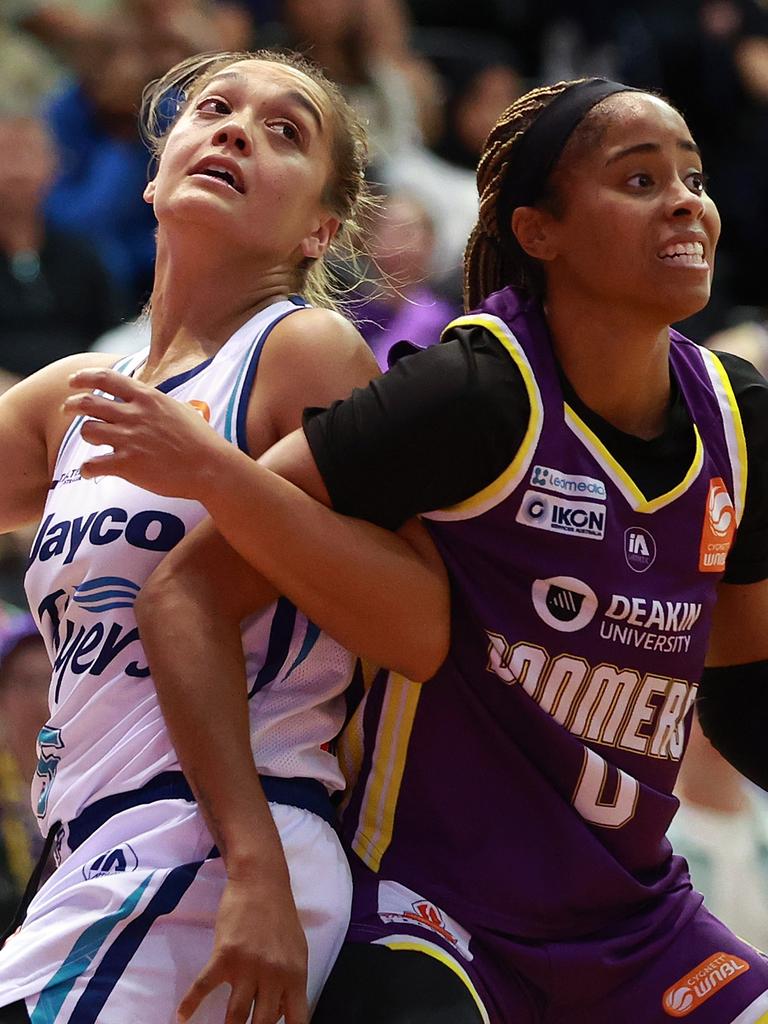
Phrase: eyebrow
[652,147]
[292,95]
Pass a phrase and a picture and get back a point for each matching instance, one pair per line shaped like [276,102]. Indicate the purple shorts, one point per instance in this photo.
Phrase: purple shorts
[676,963]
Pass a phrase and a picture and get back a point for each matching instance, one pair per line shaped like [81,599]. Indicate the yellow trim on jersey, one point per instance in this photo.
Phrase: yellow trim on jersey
[431,949]
[619,475]
[734,431]
[504,484]
[351,747]
[382,790]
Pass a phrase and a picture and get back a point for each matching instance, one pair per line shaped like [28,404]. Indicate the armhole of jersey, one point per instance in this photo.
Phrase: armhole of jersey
[732,427]
[496,491]
[126,365]
[236,421]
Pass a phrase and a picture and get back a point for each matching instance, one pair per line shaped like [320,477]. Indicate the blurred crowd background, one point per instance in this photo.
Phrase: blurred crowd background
[430,77]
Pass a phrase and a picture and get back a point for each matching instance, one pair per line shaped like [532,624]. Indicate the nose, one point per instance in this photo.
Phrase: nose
[684,204]
[233,135]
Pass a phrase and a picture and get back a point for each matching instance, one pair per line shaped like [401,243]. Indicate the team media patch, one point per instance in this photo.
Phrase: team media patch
[718,529]
[703,982]
[403,906]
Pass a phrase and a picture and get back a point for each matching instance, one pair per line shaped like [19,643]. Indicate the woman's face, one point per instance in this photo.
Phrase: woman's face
[637,228]
[250,158]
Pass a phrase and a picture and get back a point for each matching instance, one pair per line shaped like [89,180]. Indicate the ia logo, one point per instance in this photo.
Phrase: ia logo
[121,859]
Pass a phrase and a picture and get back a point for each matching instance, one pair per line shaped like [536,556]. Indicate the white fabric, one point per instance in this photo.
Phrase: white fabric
[81,919]
[98,543]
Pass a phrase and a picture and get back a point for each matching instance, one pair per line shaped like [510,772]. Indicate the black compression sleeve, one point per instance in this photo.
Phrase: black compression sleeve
[440,426]
[733,708]
[748,558]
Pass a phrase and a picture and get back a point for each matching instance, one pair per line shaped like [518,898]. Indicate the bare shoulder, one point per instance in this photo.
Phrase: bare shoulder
[326,357]
[319,332]
[36,400]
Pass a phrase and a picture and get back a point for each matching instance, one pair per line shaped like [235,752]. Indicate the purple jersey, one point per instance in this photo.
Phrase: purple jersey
[527,788]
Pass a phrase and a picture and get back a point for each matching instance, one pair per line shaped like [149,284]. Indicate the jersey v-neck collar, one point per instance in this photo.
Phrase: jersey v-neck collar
[603,439]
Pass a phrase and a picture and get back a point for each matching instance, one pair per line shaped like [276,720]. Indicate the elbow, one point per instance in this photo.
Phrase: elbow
[153,597]
[429,647]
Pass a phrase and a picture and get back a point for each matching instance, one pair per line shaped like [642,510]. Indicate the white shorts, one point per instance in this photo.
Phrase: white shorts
[125,924]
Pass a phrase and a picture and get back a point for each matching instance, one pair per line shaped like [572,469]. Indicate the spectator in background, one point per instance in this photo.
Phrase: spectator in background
[104,163]
[721,829]
[24,677]
[478,98]
[364,46]
[55,296]
[404,304]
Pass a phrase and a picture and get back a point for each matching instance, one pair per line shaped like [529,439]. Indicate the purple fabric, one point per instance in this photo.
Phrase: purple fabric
[537,786]
[13,632]
[420,320]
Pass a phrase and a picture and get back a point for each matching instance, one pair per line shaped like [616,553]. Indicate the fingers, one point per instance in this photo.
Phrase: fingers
[203,984]
[295,1005]
[108,381]
[100,408]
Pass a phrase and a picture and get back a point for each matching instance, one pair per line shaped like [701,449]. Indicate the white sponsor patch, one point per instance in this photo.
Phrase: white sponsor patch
[566,483]
[564,603]
[402,905]
[548,512]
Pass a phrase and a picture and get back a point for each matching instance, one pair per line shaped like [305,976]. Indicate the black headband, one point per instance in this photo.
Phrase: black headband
[535,153]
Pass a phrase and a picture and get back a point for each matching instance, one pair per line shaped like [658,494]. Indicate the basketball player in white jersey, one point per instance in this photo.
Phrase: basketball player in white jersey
[262,164]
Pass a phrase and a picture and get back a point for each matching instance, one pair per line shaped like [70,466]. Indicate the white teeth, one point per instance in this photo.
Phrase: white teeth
[684,249]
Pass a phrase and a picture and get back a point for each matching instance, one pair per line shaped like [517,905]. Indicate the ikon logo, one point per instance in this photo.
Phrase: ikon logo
[639,549]
[564,603]
[558,515]
[718,529]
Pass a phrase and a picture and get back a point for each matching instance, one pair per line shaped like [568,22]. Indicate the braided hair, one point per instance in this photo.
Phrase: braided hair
[493,257]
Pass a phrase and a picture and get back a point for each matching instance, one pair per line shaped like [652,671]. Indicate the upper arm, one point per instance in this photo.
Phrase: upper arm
[313,357]
[31,428]
[739,625]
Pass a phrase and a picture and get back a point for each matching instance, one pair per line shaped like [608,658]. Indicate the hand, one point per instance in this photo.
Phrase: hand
[159,444]
[259,950]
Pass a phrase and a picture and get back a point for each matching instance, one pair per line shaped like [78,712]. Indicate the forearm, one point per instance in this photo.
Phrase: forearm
[382,595]
[197,665]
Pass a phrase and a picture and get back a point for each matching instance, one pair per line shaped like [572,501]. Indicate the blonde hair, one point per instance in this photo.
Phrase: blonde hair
[346,194]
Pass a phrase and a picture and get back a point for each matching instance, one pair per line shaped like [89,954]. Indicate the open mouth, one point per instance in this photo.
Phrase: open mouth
[684,254]
[221,172]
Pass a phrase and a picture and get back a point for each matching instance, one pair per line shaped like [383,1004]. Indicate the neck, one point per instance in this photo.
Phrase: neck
[202,294]
[617,362]
[21,231]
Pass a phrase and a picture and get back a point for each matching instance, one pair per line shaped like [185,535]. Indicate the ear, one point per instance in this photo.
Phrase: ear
[149,192]
[533,229]
[313,246]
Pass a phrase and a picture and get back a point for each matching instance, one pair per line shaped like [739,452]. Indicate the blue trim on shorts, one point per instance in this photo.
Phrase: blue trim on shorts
[308,794]
[280,636]
[80,958]
[124,948]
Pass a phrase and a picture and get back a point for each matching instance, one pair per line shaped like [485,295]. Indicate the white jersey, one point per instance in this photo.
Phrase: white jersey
[98,542]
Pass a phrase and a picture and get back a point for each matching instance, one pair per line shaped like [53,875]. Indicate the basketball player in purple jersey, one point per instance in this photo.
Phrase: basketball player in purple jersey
[601,483]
